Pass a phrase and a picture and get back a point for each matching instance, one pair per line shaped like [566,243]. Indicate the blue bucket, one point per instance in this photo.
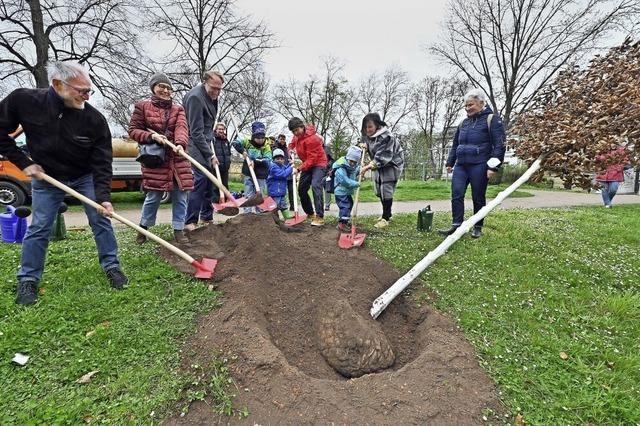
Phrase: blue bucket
[8,222]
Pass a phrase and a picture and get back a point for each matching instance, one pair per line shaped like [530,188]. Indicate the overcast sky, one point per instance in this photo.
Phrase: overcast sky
[366,35]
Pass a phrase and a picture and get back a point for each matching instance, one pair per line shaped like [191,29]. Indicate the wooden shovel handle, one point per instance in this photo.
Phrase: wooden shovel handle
[295,187]
[117,217]
[354,214]
[222,196]
[253,173]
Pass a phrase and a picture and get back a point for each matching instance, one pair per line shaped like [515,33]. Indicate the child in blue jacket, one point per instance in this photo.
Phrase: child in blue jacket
[345,173]
[279,172]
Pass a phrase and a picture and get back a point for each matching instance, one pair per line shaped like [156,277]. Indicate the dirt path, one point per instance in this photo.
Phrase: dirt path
[541,199]
[277,285]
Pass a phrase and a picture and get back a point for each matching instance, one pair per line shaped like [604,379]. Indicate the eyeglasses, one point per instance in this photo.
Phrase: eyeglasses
[83,92]
[165,87]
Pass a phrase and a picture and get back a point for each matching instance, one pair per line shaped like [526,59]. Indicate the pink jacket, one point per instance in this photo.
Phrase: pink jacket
[614,162]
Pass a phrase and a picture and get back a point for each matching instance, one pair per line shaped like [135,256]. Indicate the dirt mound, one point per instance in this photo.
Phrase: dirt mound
[285,294]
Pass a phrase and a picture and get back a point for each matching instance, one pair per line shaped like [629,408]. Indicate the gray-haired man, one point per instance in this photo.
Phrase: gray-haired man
[69,140]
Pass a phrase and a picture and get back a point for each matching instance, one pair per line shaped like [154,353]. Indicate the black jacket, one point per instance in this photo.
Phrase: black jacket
[222,148]
[67,143]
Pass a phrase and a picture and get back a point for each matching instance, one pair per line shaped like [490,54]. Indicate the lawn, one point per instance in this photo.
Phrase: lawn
[408,190]
[551,301]
[131,337]
[549,298]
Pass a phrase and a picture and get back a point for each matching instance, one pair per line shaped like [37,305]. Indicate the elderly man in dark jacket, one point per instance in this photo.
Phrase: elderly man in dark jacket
[477,152]
[69,140]
[201,107]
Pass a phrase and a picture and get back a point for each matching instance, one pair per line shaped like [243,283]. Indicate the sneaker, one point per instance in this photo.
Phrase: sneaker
[476,232]
[117,279]
[189,227]
[381,224]
[344,227]
[380,218]
[311,217]
[180,237]
[317,221]
[447,232]
[206,222]
[27,292]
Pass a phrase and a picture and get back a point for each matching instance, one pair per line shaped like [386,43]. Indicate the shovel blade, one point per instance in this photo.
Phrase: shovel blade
[204,268]
[227,209]
[268,205]
[253,201]
[296,219]
[347,241]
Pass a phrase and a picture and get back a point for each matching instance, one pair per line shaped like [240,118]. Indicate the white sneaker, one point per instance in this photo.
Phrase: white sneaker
[381,224]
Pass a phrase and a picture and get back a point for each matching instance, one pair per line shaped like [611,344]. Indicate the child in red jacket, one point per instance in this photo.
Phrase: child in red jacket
[308,146]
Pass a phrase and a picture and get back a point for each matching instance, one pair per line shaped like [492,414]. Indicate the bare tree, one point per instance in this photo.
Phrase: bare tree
[512,48]
[389,95]
[97,33]
[325,101]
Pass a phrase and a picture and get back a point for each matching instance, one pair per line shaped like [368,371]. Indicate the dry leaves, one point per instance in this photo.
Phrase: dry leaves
[87,377]
[520,420]
[564,356]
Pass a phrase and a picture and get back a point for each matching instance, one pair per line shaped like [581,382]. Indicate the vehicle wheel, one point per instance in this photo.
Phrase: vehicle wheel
[11,194]
[166,198]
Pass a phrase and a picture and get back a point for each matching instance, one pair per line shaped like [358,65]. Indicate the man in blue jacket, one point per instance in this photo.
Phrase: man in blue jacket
[477,152]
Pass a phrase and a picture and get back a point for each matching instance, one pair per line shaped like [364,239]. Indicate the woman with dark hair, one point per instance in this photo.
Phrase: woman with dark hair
[387,161]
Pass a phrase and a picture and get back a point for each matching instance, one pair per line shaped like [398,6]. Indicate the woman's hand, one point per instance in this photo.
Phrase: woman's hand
[449,169]
[178,149]
[157,138]
[365,169]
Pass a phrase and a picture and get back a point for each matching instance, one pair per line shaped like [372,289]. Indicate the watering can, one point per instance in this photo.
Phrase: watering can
[425,219]
[13,224]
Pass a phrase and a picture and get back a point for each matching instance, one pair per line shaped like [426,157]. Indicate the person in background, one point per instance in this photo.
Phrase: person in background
[69,140]
[281,143]
[345,175]
[222,152]
[387,162]
[612,165]
[477,152]
[327,194]
[167,120]
[308,146]
[279,171]
[201,107]
[259,153]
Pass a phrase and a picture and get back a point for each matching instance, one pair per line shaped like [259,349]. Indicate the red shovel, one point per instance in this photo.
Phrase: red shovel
[204,268]
[267,204]
[297,217]
[350,240]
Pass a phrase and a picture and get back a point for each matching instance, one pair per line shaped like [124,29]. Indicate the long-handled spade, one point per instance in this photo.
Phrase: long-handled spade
[268,204]
[350,240]
[204,268]
[228,208]
[297,217]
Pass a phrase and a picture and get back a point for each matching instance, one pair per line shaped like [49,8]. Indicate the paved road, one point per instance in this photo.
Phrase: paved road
[541,199]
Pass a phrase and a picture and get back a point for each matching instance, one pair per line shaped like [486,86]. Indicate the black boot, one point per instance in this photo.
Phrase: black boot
[27,293]
[476,232]
[180,237]
[117,279]
[446,232]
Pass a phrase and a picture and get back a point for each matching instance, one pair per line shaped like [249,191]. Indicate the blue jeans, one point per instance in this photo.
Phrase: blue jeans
[250,190]
[463,175]
[281,202]
[46,201]
[200,196]
[345,204]
[178,207]
[609,190]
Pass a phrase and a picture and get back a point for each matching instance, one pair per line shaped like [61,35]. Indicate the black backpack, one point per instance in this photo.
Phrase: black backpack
[330,182]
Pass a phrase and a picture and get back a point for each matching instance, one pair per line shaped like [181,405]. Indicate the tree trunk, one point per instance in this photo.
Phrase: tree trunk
[41,42]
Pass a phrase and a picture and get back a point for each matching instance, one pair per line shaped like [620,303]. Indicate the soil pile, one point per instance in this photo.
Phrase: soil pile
[290,296]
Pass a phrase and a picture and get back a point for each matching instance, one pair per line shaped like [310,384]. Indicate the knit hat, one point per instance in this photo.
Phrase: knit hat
[158,78]
[354,153]
[294,123]
[258,130]
[278,153]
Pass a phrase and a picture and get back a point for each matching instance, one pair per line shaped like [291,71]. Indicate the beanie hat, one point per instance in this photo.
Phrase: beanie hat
[258,129]
[354,153]
[294,123]
[278,153]
[158,78]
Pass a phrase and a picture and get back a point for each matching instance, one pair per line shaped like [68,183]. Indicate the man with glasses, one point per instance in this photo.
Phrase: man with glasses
[69,140]
[201,107]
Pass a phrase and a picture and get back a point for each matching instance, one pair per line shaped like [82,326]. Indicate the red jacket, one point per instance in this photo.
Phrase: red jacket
[309,148]
[169,119]
[614,162]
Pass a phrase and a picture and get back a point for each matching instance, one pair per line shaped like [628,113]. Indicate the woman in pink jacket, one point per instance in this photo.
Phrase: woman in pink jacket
[612,166]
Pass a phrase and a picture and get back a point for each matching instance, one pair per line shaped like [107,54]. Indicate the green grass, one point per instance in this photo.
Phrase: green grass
[133,337]
[410,190]
[537,284]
